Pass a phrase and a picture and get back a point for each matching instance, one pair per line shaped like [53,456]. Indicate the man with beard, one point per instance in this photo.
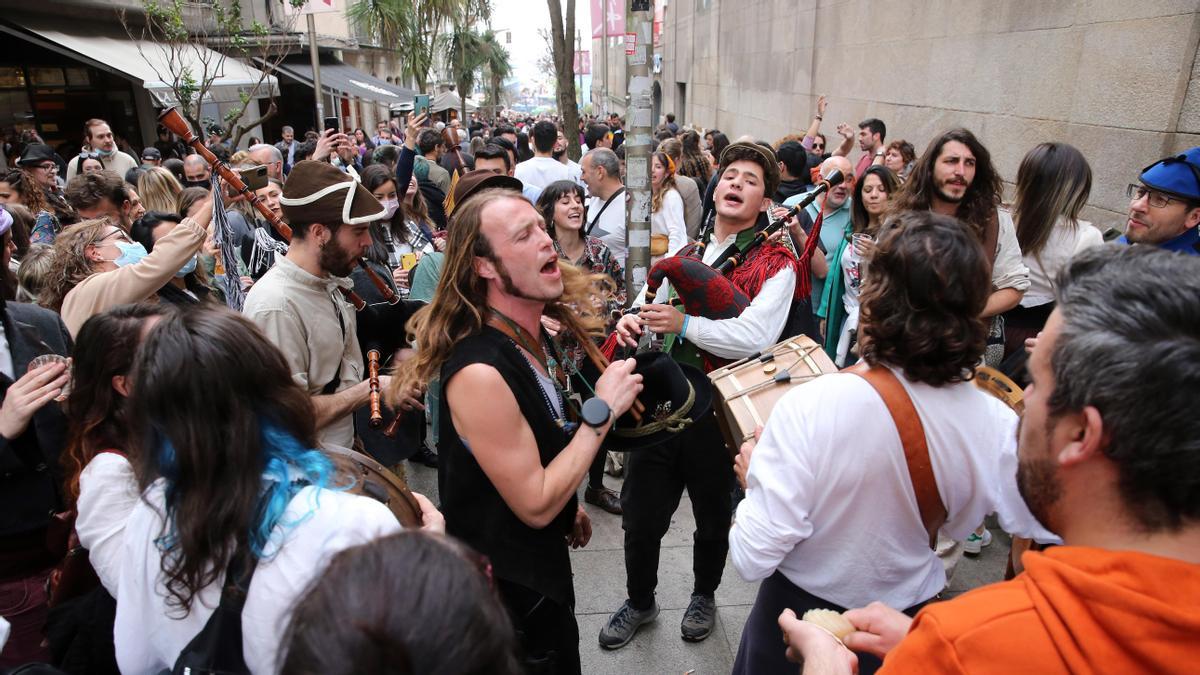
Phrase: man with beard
[298,303]
[196,172]
[511,467]
[831,518]
[1108,458]
[560,153]
[99,141]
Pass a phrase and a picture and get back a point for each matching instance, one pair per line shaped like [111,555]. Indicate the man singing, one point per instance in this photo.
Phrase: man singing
[510,466]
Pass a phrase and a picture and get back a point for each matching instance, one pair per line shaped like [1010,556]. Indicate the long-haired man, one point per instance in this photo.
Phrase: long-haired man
[509,464]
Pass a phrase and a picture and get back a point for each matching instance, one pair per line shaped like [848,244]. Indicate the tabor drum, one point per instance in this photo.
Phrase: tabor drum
[997,384]
[748,390]
[371,479]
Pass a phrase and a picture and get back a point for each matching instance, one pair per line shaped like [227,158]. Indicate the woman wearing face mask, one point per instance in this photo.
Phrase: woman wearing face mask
[404,230]
[839,302]
[190,285]
[97,266]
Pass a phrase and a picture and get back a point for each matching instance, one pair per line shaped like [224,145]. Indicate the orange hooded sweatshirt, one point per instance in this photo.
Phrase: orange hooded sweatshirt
[1073,610]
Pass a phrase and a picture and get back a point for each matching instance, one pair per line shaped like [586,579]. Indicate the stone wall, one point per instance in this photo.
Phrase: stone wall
[1119,80]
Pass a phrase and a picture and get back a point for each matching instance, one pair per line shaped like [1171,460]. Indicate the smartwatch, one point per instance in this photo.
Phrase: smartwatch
[595,412]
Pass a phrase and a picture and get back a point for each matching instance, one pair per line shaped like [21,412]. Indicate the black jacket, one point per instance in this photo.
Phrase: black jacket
[30,466]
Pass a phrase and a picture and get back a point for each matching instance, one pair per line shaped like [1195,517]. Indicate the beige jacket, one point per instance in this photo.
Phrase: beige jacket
[133,283]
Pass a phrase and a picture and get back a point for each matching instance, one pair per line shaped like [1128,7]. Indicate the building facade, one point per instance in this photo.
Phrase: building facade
[1118,80]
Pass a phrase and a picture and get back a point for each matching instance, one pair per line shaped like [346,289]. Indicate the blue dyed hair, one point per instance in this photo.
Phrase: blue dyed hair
[289,468]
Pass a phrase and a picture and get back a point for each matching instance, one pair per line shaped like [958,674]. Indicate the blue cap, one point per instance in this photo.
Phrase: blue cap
[1178,175]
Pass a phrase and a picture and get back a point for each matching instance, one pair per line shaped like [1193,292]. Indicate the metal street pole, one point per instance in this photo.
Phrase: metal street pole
[316,68]
[638,21]
[604,88]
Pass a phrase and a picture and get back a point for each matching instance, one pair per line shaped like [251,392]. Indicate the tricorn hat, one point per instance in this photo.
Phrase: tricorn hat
[318,192]
[674,395]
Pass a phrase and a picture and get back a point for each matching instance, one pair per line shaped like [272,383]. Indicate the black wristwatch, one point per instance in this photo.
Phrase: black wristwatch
[595,412]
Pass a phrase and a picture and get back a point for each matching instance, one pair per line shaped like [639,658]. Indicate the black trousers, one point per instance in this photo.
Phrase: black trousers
[762,651]
[546,631]
[654,482]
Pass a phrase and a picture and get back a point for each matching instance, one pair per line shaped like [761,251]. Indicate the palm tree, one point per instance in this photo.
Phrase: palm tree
[412,27]
[498,66]
[468,54]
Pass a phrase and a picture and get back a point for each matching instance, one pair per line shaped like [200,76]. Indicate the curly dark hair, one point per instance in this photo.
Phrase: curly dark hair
[978,206]
[922,301]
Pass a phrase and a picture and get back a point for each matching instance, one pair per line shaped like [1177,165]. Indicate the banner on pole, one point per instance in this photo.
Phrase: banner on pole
[615,17]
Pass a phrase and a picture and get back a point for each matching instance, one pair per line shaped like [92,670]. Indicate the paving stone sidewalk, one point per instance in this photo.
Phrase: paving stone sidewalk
[658,649]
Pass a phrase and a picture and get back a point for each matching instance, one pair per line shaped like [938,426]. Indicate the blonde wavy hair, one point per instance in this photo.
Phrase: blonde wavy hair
[69,263]
[159,190]
[459,308]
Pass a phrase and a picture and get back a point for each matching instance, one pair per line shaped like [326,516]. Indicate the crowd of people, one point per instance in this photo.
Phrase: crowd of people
[182,363]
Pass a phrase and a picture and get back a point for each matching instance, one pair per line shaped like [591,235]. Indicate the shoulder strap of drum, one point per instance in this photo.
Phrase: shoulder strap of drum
[610,200]
[912,438]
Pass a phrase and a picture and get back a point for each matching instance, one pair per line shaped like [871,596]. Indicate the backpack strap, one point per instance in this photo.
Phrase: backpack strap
[218,646]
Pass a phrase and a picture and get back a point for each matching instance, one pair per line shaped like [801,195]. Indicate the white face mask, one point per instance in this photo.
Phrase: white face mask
[392,205]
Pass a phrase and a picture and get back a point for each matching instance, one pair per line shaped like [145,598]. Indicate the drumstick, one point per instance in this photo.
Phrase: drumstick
[598,359]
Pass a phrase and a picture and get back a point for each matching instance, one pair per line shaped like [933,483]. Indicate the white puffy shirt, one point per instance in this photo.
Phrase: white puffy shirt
[150,635]
[829,502]
[108,493]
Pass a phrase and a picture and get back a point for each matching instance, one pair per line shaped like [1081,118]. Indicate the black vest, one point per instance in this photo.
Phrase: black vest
[474,510]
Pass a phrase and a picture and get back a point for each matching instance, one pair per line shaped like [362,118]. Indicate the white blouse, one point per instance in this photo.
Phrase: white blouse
[1062,245]
[669,220]
[107,494]
[150,633]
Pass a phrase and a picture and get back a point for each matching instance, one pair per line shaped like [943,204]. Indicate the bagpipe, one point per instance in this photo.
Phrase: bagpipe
[707,290]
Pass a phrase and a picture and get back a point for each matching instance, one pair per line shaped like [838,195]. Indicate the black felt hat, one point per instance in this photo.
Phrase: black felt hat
[36,153]
[674,394]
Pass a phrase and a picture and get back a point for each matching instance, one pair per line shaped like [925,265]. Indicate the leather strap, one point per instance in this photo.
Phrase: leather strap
[912,438]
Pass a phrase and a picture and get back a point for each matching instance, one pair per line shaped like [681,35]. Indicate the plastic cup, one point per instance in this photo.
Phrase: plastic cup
[44,359]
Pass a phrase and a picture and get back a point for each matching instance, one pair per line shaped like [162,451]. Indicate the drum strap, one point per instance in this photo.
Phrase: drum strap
[912,438]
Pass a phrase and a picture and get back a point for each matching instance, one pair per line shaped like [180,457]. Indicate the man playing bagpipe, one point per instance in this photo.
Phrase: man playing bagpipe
[728,318]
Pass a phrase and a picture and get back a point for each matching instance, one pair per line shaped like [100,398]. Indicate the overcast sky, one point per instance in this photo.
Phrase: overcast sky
[524,18]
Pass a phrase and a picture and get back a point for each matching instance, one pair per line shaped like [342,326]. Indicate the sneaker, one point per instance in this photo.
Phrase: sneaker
[624,624]
[975,543]
[603,497]
[699,618]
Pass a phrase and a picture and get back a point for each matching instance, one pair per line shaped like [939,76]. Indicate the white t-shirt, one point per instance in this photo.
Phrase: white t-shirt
[150,634]
[610,229]
[852,273]
[1062,245]
[542,171]
[107,494]
[829,502]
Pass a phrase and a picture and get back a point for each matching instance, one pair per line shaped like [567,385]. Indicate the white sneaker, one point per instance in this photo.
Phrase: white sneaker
[975,543]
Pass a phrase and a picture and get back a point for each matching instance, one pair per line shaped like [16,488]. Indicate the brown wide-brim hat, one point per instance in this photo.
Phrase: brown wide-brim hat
[318,192]
[481,179]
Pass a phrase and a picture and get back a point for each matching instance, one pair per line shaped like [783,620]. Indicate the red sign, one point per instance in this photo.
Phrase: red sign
[583,62]
[630,44]
[615,16]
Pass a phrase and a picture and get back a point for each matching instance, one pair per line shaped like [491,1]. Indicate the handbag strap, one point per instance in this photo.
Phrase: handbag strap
[912,438]
[592,225]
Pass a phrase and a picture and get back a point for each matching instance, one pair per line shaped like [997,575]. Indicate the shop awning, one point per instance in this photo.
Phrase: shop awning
[339,79]
[448,100]
[147,62]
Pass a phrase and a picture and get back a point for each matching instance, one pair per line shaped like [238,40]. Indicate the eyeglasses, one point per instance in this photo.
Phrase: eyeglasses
[48,166]
[120,234]
[1154,198]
